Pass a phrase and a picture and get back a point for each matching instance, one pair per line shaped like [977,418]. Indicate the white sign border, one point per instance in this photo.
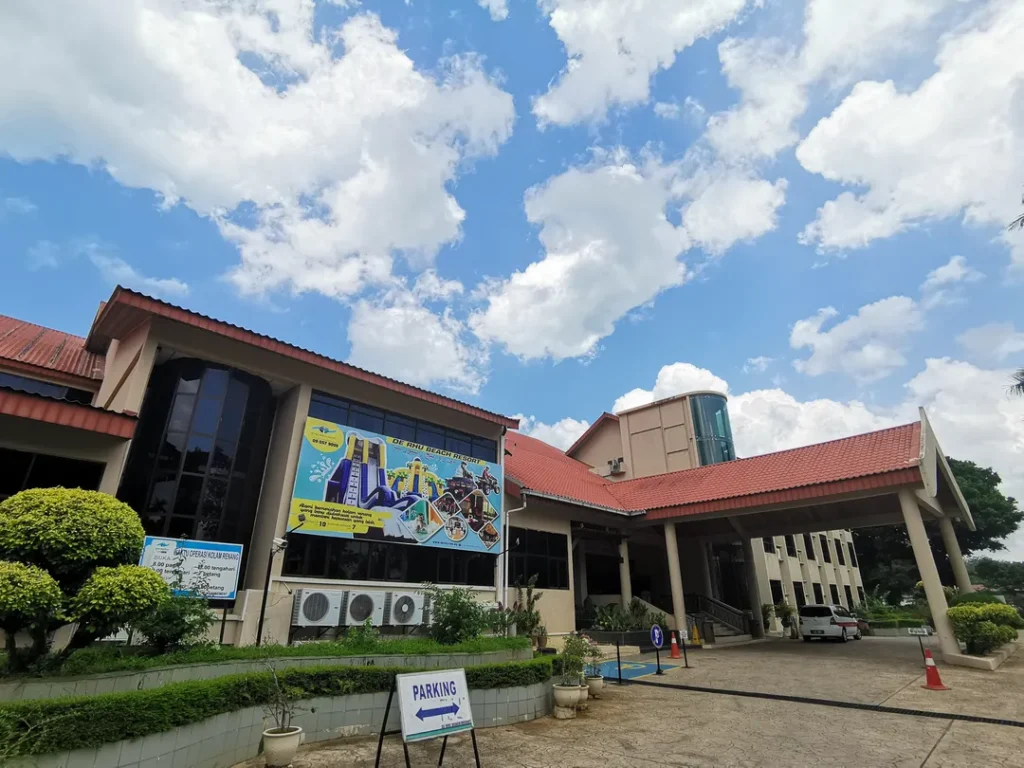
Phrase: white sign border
[409,716]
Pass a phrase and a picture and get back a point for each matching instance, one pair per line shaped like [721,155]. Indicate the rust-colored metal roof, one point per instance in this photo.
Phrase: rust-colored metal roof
[591,430]
[879,459]
[25,405]
[127,309]
[34,349]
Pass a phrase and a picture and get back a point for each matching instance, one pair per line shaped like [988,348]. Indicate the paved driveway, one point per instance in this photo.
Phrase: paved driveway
[639,726]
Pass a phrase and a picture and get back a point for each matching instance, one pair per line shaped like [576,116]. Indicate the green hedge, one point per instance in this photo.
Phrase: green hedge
[99,659]
[985,626]
[59,725]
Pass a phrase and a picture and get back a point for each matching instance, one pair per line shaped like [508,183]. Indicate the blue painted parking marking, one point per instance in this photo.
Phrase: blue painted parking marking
[630,669]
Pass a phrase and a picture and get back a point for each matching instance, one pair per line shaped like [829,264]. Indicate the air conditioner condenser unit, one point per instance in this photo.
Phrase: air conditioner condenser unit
[404,609]
[317,607]
[364,605]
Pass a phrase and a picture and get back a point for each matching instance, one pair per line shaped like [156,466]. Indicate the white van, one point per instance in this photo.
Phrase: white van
[823,621]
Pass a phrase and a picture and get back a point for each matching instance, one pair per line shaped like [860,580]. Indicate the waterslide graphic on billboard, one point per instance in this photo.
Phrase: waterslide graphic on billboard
[353,483]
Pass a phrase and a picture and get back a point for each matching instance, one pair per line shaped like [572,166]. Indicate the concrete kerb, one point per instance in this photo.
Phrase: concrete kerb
[988,663]
[26,689]
[235,736]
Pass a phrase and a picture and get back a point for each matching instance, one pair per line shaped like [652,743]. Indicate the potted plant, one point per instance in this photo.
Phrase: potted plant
[595,680]
[540,635]
[567,691]
[767,612]
[282,741]
[785,612]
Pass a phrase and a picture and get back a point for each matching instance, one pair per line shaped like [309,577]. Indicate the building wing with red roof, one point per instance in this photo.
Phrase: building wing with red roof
[40,351]
[861,460]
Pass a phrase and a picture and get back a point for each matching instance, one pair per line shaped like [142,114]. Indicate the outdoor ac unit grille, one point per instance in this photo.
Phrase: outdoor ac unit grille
[403,609]
[315,607]
[361,607]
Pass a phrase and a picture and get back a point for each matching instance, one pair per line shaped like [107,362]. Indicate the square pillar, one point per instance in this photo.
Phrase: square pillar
[581,571]
[929,573]
[956,557]
[625,580]
[757,628]
[675,576]
[705,568]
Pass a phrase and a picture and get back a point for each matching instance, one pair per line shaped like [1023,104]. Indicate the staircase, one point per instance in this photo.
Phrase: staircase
[732,625]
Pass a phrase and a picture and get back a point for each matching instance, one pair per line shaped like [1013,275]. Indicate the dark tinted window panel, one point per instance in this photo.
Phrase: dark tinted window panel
[215,383]
[400,427]
[432,438]
[181,413]
[182,528]
[197,456]
[370,419]
[458,444]
[207,416]
[234,411]
[769,544]
[13,470]
[53,471]
[809,546]
[186,502]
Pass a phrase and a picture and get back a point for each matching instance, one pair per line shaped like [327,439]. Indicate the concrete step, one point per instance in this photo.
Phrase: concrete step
[721,640]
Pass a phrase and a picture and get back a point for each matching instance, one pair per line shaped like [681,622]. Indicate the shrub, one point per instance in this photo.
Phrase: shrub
[984,626]
[613,618]
[59,725]
[178,622]
[456,616]
[111,658]
[574,656]
[30,600]
[785,613]
[113,597]
[69,532]
[527,617]
[984,596]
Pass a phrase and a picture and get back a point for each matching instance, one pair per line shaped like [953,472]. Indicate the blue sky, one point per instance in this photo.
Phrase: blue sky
[552,208]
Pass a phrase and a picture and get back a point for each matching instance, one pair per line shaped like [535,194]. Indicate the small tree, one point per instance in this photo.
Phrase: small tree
[112,598]
[71,534]
[30,600]
[456,616]
[525,608]
[182,620]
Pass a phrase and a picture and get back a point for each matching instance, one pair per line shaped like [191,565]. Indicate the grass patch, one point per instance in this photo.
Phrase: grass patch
[58,725]
[99,659]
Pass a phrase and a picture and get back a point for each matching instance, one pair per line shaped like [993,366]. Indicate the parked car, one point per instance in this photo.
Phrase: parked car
[828,621]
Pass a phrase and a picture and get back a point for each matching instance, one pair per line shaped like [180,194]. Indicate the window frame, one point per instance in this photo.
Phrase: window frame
[535,547]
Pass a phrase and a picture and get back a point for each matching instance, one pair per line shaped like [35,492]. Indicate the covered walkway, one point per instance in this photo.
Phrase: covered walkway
[889,477]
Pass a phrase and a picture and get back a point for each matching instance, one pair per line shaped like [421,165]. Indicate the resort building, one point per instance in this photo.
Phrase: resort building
[347,490]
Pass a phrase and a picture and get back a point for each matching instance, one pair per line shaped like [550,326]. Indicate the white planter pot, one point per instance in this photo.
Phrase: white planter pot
[596,685]
[584,695]
[567,696]
[280,745]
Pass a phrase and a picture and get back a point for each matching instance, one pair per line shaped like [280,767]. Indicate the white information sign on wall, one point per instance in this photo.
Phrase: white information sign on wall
[434,704]
[219,563]
[922,631]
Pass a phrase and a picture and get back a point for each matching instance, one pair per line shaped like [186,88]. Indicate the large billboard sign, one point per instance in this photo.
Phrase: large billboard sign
[356,484]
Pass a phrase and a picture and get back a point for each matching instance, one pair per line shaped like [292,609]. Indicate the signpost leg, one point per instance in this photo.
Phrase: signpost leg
[405,749]
[384,727]
[476,752]
[618,661]
[444,743]
[657,656]
[223,622]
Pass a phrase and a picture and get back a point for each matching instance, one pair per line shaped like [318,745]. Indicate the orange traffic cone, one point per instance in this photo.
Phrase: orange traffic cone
[931,674]
[675,647]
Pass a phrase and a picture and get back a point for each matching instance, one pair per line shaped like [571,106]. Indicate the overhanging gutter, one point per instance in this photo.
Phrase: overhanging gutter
[586,505]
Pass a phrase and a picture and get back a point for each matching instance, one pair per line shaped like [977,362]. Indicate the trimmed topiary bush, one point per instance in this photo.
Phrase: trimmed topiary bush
[985,626]
[113,597]
[30,600]
[69,532]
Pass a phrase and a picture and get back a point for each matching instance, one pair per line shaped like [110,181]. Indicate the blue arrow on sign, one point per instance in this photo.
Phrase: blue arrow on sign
[451,709]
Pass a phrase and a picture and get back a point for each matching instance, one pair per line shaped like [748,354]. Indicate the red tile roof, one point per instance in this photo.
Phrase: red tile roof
[43,351]
[126,309]
[534,465]
[86,417]
[590,430]
[853,463]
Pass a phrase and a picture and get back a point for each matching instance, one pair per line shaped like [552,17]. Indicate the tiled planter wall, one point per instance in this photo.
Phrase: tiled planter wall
[231,738]
[117,682]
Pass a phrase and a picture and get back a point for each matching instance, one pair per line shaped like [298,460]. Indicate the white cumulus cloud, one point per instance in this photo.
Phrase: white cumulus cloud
[497,8]
[943,284]
[562,434]
[674,379]
[919,154]
[325,160]
[867,345]
[615,47]
[998,342]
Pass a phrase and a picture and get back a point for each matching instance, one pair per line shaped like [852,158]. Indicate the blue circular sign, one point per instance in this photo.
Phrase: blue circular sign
[657,636]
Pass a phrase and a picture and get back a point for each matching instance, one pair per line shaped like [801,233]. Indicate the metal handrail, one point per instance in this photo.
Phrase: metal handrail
[722,612]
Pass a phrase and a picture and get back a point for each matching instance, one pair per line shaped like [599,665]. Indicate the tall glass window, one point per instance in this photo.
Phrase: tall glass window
[712,429]
[196,465]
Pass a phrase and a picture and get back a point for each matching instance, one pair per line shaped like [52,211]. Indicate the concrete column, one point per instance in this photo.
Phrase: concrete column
[929,573]
[956,557]
[786,571]
[705,568]
[581,573]
[625,580]
[111,479]
[675,576]
[757,630]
